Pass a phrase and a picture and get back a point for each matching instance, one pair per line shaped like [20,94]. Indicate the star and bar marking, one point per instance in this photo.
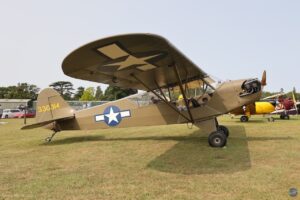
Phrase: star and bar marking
[113,51]
[112,116]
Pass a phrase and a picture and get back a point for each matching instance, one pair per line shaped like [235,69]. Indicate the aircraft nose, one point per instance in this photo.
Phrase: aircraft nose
[250,86]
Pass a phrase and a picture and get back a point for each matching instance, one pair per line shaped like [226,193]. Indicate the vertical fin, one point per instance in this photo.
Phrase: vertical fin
[51,106]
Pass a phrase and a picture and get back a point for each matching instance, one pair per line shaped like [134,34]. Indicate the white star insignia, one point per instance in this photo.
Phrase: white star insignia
[112,116]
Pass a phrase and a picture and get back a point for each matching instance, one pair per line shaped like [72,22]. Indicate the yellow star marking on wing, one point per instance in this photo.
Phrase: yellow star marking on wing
[131,60]
[113,51]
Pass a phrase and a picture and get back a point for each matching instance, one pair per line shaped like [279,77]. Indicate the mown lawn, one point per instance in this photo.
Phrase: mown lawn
[261,161]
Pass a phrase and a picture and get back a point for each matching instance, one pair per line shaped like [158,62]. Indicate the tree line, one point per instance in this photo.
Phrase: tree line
[67,91]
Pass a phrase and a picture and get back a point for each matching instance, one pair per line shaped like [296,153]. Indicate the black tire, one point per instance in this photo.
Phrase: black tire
[244,118]
[287,117]
[224,129]
[6,116]
[282,116]
[217,139]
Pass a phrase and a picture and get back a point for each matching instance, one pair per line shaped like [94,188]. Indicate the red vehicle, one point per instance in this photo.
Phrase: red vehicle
[29,114]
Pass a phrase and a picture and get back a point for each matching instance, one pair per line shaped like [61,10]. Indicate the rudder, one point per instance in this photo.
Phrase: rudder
[51,106]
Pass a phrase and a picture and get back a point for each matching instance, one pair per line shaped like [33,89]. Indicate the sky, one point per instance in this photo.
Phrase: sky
[227,39]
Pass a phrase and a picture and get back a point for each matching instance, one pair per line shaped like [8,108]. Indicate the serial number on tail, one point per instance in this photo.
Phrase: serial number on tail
[47,108]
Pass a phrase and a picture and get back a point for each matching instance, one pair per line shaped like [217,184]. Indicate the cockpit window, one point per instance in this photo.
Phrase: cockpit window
[142,99]
[197,91]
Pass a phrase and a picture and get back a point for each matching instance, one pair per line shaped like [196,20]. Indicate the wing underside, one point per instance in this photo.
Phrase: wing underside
[131,61]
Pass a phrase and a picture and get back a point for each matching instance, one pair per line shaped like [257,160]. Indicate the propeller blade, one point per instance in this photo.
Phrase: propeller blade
[264,79]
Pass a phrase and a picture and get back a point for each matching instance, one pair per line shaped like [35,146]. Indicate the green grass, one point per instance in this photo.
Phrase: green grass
[261,161]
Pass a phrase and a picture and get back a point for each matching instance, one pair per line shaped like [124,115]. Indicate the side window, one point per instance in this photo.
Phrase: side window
[142,99]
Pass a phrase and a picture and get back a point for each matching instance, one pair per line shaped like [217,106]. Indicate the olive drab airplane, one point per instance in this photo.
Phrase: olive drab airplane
[149,63]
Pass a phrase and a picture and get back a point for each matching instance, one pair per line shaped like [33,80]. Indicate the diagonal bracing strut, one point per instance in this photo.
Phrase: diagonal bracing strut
[182,92]
[164,100]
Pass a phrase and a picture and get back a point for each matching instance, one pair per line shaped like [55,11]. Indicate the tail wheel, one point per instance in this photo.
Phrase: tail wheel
[244,118]
[271,119]
[217,139]
[284,116]
[224,129]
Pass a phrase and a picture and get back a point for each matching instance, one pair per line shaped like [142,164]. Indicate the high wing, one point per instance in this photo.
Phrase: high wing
[138,61]
[274,96]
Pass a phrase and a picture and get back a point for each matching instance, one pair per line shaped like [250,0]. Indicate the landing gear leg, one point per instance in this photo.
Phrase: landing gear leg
[222,128]
[49,139]
[271,119]
[55,129]
[284,116]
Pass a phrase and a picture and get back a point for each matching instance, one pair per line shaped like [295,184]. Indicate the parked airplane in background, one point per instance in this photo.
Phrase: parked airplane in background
[150,63]
[275,104]
[286,107]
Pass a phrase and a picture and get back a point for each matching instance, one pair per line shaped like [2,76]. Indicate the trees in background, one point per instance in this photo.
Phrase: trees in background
[99,94]
[113,93]
[88,94]
[64,88]
[78,93]
[20,91]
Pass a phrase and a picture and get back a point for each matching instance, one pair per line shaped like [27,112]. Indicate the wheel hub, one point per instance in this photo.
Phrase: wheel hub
[217,140]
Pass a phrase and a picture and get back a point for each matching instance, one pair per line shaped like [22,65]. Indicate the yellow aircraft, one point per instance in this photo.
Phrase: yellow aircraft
[256,108]
[150,63]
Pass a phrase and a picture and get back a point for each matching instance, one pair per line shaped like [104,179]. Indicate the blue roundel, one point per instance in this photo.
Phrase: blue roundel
[112,116]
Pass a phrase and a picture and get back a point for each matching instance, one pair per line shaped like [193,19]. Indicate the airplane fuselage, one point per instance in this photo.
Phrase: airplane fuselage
[130,112]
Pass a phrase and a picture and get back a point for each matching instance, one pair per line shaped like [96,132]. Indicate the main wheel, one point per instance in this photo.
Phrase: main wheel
[282,116]
[287,117]
[217,139]
[244,118]
[224,129]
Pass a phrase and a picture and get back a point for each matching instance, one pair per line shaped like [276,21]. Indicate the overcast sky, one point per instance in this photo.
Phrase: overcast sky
[227,39]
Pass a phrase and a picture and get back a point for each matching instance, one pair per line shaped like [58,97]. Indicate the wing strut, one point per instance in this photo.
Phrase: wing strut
[183,92]
[207,83]
[160,90]
[164,100]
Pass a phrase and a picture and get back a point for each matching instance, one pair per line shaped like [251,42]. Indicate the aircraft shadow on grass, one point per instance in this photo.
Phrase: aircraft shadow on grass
[191,155]
[195,157]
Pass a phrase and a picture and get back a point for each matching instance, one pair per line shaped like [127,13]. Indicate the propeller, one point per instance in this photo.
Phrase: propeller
[294,99]
[264,78]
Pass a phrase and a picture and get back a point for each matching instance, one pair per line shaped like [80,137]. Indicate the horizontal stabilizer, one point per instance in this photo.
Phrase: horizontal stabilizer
[44,123]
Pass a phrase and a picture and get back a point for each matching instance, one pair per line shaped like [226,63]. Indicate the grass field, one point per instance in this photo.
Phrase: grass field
[261,161]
